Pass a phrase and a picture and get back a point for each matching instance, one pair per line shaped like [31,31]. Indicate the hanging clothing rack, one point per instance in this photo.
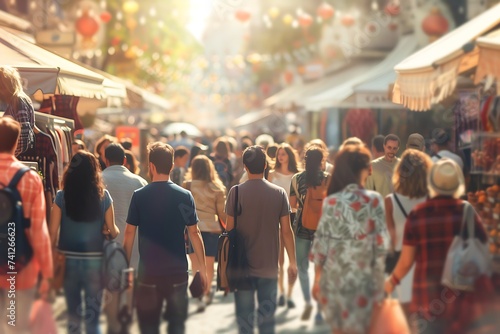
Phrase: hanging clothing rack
[52,120]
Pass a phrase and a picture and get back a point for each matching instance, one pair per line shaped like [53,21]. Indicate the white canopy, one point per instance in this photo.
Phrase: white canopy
[347,80]
[72,79]
[489,58]
[430,75]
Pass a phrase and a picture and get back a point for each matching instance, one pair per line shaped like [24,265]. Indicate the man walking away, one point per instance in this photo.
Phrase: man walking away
[440,147]
[121,184]
[20,287]
[377,147]
[161,211]
[262,209]
[416,141]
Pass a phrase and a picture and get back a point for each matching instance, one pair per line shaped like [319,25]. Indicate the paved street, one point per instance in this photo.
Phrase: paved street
[219,317]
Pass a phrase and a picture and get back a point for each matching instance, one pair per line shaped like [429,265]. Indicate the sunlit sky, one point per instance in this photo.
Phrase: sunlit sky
[199,12]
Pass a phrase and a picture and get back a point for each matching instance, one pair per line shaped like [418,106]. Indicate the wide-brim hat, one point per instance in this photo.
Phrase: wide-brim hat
[446,178]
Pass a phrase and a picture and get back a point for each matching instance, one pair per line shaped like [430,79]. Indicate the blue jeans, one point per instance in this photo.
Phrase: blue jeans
[267,290]
[83,274]
[302,250]
[151,293]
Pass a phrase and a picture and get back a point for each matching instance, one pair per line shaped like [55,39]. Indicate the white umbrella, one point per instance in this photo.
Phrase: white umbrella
[177,127]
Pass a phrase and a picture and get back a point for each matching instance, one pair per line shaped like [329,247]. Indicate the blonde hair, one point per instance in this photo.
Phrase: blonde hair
[10,84]
[410,174]
[203,169]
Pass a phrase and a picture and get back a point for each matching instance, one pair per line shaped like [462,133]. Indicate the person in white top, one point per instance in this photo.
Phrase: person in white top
[410,189]
[281,175]
[440,148]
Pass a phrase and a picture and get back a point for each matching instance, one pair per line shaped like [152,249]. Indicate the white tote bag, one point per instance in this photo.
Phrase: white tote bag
[467,259]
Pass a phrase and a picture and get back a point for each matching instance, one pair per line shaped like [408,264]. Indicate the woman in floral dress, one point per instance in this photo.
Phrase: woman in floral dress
[350,245]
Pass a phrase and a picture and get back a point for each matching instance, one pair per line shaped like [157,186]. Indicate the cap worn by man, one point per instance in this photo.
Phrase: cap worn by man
[440,137]
[416,141]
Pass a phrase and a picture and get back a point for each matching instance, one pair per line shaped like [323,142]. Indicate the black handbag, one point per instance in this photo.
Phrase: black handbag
[232,270]
[392,259]
[390,262]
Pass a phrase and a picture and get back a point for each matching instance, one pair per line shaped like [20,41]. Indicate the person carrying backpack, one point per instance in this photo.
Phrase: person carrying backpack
[31,257]
[220,158]
[307,192]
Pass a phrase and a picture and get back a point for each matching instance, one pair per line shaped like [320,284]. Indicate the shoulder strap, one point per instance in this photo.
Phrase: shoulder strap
[468,220]
[294,185]
[235,205]
[438,156]
[400,205]
[17,177]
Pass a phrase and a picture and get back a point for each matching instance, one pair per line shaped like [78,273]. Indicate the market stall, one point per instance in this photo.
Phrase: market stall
[461,69]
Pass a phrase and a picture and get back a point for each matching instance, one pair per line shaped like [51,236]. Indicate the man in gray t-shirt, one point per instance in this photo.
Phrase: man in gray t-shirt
[262,208]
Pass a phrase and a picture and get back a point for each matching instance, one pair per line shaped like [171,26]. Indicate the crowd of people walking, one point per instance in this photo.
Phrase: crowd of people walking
[370,227]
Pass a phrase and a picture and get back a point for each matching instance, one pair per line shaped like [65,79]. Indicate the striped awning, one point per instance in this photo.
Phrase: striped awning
[430,75]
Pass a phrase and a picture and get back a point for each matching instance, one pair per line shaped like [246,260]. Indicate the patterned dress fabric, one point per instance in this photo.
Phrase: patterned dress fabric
[350,245]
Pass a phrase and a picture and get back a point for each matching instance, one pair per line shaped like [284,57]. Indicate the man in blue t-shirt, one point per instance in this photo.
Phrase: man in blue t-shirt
[162,210]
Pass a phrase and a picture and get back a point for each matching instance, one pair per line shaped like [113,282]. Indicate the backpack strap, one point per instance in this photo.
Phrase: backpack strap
[294,185]
[17,177]
[235,205]
[400,205]
[17,195]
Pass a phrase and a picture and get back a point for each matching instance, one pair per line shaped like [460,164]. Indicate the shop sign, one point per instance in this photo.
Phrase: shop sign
[375,100]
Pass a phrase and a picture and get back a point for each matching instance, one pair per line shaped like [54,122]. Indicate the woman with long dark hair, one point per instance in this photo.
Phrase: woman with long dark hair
[350,245]
[312,176]
[281,175]
[82,218]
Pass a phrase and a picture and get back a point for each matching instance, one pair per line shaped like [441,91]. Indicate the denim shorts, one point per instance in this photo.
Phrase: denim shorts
[210,240]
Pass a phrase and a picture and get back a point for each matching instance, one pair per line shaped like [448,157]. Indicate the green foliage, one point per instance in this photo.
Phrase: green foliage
[157,43]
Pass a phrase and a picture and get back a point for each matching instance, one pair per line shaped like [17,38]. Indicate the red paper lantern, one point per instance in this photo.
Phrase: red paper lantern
[435,24]
[105,17]
[325,11]
[347,20]
[305,20]
[242,15]
[86,25]
[392,9]
[115,41]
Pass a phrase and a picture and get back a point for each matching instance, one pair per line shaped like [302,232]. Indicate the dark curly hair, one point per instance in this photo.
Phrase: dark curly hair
[83,188]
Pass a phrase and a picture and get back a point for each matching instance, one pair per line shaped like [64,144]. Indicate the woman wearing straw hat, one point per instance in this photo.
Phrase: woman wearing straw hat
[429,232]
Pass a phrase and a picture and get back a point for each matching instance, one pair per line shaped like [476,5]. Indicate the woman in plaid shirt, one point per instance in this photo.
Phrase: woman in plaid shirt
[429,232]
